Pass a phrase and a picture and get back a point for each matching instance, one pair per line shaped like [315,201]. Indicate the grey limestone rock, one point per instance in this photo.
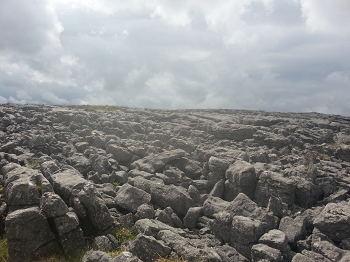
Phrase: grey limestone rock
[191,218]
[64,181]
[217,169]
[261,252]
[25,239]
[174,196]
[121,154]
[163,217]
[278,240]
[94,206]
[151,227]
[295,229]
[130,197]
[24,185]
[147,248]
[144,211]
[182,247]
[214,205]
[52,205]
[96,256]
[334,221]
[48,168]
[231,176]
[153,163]
[105,243]
[126,256]
[302,258]
[218,189]
[79,162]
[69,234]
[241,179]
[190,167]
[274,184]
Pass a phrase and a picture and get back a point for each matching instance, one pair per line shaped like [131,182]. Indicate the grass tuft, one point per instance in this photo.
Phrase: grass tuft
[75,256]
[33,164]
[322,156]
[123,234]
[3,250]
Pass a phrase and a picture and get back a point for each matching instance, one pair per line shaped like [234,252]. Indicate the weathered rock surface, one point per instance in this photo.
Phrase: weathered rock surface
[208,185]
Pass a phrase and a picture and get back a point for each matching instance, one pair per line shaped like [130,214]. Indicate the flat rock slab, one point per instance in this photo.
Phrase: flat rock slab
[153,163]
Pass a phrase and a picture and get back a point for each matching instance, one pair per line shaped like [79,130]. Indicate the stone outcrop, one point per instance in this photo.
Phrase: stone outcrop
[205,185]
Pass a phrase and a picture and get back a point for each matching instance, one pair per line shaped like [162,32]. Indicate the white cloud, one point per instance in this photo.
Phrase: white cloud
[252,54]
[21,94]
[68,60]
[96,85]
[52,98]
[3,100]
[338,78]
[96,99]
[330,17]
[15,101]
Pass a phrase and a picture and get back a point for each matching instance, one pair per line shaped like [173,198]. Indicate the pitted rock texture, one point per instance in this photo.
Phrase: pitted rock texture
[205,185]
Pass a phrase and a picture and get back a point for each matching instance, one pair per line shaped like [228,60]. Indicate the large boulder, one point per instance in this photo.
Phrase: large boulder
[241,179]
[69,234]
[261,253]
[48,168]
[217,169]
[90,207]
[343,153]
[79,162]
[294,228]
[121,154]
[214,205]
[273,184]
[126,256]
[240,222]
[52,205]
[334,221]
[64,181]
[28,235]
[232,132]
[96,256]
[130,197]
[105,243]
[190,167]
[144,211]
[174,196]
[151,227]
[278,240]
[24,186]
[147,248]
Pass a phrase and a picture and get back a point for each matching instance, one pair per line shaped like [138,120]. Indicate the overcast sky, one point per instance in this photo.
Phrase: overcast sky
[273,55]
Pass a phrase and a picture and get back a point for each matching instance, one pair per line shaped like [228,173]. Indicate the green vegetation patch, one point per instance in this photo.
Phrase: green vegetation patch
[322,156]
[33,164]
[75,256]
[3,250]
[123,234]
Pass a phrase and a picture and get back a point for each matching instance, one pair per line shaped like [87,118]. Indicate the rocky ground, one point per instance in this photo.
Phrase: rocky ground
[205,185]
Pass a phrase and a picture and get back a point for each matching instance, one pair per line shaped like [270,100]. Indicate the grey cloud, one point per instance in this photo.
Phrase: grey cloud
[222,54]
[27,26]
